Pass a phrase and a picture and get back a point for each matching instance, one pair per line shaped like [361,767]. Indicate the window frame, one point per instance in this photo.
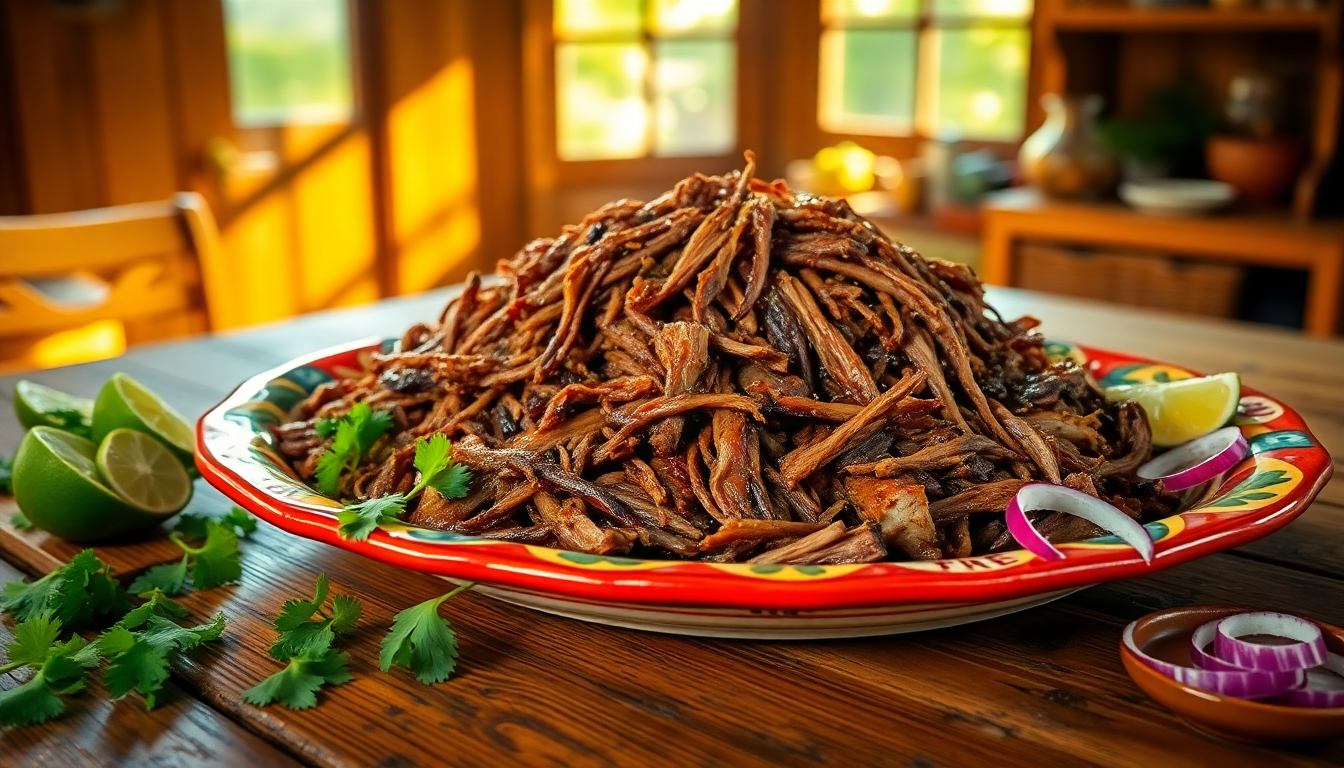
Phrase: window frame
[908,145]
[549,171]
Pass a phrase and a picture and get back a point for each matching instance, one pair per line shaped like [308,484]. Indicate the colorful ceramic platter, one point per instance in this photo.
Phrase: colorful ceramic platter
[1273,485]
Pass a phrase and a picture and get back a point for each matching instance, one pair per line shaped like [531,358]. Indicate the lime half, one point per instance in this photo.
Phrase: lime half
[57,487]
[39,406]
[1180,411]
[143,472]
[124,403]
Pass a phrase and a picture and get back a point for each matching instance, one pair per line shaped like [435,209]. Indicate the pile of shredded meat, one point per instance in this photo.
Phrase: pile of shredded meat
[736,372]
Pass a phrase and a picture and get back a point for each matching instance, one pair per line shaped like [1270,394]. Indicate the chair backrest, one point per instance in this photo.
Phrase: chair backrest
[138,264]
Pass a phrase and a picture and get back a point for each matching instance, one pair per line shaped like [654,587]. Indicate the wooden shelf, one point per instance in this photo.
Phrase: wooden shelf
[1123,18]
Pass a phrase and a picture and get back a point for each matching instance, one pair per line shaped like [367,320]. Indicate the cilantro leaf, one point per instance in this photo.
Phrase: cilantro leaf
[352,437]
[191,526]
[345,612]
[240,520]
[156,604]
[422,641]
[302,640]
[140,668]
[325,427]
[30,703]
[453,483]
[296,612]
[7,475]
[195,527]
[434,460]
[19,520]
[216,562]
[359,520]
[330,465]
[59,669]
[296,685]
[432,455]
[32,640]
[28,600]
[168,578]
[71,420]
[73,593]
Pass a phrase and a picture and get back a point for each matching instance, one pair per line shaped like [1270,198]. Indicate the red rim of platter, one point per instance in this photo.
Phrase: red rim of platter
[1264,492]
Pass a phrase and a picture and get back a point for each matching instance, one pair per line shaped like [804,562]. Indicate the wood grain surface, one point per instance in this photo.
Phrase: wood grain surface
[1043,687]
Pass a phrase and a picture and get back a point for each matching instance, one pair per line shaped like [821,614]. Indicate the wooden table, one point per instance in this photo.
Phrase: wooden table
[1043,687]
[1265,240]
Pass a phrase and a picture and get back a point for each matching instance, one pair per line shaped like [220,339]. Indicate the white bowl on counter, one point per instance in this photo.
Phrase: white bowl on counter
[1177,197]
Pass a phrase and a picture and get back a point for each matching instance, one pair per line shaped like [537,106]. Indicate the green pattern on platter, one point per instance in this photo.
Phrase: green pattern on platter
[769,568]
[1253,489]
[1143,373]
[1279,440]
[1156,531]
[1057,350]
[583,558]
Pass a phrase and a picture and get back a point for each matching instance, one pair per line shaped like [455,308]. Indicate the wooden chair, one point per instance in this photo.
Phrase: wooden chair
[80,286]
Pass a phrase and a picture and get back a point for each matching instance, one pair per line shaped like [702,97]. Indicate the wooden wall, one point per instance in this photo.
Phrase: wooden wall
[120,109]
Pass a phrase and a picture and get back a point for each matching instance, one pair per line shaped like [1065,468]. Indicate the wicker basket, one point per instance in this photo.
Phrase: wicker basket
[1138,279]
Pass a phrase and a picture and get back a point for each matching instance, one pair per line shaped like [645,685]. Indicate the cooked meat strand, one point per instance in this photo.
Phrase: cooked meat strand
[802,462]
[934,457]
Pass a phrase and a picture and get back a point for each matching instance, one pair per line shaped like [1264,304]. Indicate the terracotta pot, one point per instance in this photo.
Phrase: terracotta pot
[1262,170]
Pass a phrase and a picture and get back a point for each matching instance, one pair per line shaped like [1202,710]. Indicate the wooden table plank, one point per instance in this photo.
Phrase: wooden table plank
[97,731]
[1044,686]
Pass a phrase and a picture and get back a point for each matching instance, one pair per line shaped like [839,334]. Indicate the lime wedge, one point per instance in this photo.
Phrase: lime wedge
[1180,411]
[39,406]
[124,403]
[143,472]
[57,487]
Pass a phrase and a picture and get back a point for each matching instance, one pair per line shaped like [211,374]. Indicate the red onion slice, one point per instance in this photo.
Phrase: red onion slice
[1241,684]
[1202,639]
[1323,688]
[1307,651]
[1058,498]
[1197,461]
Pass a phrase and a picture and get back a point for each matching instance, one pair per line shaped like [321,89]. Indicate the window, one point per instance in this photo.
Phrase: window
[639,78]
[924,67]
[289,62]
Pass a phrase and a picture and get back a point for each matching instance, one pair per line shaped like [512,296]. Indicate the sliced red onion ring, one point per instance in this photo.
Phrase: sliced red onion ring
[1197,461]
[1323,688]
[1241,684]
[1058,498]
[1202,639]
[1308,650]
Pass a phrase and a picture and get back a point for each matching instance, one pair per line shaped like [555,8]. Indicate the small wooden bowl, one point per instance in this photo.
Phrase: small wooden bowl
[1166,635]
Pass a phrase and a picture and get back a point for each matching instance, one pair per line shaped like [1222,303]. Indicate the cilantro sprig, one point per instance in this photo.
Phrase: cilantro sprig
[352,435]
[216,562]
[298,630]
[73,594]
[296,685]
[434,461]
[139,660]
[58,670]
[237,519]
[422,641]
[305,644]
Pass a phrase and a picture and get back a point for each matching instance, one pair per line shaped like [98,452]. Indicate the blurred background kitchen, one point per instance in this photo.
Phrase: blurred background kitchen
[301,155]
